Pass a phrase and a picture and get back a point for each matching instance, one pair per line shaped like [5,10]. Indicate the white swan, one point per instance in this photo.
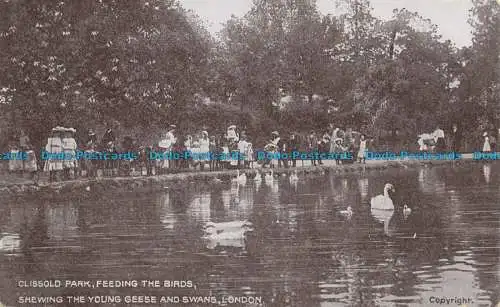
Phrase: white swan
[406,210]
[347,213]
[240,178]
[383,202]
[269,178]
[293,177]
[227,233]
[258,177]
[9,242]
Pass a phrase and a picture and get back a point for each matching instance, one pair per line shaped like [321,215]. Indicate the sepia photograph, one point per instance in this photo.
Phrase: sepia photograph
[271,153]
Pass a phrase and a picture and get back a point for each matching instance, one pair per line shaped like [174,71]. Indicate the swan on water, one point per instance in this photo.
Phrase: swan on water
[406,210]
[240,178]
[227,233]
[216,180]
[293,177]
[383,202]
[9,242]
[347,212]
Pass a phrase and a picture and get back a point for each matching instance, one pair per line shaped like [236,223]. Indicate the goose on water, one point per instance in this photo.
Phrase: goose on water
[347,212]
[227,233]
[406,210]
[293,177]
[383,202]
[240,178]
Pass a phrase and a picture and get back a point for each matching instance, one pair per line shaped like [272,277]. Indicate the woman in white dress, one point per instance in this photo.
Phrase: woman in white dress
[486,144]
[362,149]
[204,149]
[54,147]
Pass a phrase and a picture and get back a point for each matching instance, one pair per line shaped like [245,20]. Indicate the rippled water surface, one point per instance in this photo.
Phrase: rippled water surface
[288,244]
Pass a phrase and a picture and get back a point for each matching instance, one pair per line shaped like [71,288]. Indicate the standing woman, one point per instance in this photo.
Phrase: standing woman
[204,149]
[212,147]
[493,141]
[362,149]
[456,138]
[69,149]
[486,144]
[312,146]
[54,146]
[439,139]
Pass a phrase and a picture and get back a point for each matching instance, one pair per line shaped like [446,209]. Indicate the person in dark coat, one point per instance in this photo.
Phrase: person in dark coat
[293,146]
[312,145]
[283,150]
[456,138]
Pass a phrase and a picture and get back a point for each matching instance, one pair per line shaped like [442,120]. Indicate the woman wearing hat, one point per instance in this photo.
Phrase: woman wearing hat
[54,146]
[338,149]
[91,139]
[204,149]
[362,149]
[313,146]
[486,144]
[231,134]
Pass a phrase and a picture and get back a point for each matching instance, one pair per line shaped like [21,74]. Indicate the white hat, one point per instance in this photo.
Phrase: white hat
[204,132]
[485,134]
[275,133]
[59,128]
[232,127]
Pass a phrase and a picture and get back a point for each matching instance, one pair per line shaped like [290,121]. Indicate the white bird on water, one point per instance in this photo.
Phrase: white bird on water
[383,202]
[240,178]
[347,213]
[406,210]
[227,233]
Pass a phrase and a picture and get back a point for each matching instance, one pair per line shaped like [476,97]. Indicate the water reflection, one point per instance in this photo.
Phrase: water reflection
[384,217]
[487,172]
[284,242]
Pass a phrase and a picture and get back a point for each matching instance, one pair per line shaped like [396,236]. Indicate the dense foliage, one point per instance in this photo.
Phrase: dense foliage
[146,63]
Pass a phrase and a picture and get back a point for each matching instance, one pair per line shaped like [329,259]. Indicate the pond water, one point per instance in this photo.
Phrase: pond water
[285,243]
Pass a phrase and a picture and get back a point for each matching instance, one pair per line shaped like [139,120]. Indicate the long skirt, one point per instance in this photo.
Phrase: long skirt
[486,146]
[30,164]
[71,162]
[15,164]
[53,165]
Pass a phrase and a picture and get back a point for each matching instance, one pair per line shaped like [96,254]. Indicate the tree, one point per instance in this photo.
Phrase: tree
[79,63]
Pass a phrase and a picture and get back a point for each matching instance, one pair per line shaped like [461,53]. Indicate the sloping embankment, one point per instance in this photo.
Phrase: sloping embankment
[85,186]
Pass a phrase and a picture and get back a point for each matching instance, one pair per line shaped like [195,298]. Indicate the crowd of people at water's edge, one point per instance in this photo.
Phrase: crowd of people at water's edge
[349,146]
